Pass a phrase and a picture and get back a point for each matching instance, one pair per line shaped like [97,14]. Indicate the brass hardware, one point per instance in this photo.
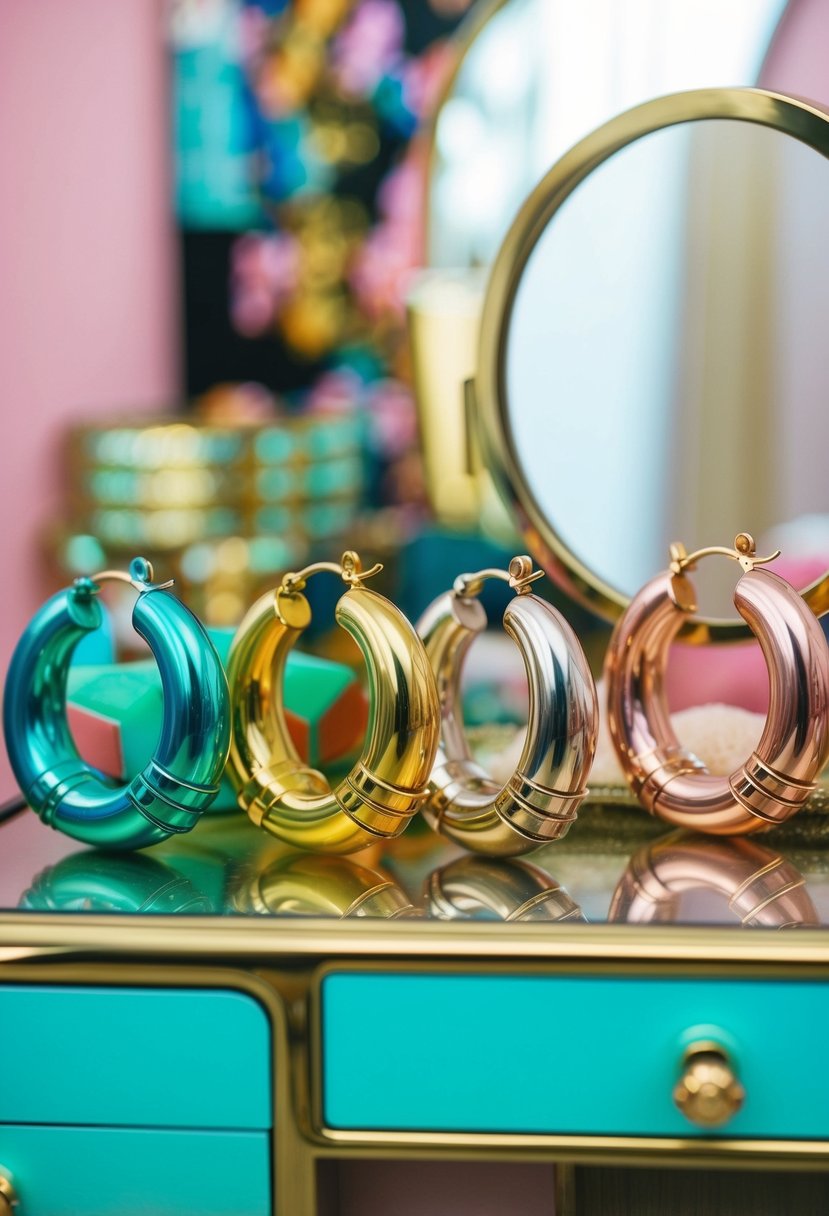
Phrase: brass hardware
[708,1093]
[349,568]
[8,1195]
[744,552]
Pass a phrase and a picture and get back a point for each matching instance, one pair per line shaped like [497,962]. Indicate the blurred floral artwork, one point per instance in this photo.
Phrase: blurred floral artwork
[322,102]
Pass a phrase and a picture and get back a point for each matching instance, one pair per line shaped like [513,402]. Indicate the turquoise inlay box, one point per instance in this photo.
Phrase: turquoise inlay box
[582,1055]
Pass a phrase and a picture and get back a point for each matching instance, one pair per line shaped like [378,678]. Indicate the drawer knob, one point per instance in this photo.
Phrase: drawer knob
[708,1093]
[8,1195]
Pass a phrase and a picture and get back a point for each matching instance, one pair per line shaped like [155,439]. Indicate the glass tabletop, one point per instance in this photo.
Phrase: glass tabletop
[615,866]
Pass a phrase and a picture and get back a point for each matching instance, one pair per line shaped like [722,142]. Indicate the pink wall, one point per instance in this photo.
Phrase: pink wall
[88,293]
[798,61]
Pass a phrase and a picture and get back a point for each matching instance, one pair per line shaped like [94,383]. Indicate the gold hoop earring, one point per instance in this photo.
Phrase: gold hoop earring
[541,798]
[389,782]
[669,781]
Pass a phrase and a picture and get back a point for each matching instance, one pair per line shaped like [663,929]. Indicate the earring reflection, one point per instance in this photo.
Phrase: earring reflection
[304,884]
[106,882]
[763,889]
[476,888]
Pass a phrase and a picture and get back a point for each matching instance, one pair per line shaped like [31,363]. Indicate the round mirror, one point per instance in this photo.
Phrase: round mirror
[652,363]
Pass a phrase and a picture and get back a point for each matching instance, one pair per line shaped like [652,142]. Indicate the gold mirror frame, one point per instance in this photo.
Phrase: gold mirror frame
[803,120]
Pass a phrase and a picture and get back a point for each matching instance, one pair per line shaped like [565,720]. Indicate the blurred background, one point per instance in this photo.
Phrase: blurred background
[212,213]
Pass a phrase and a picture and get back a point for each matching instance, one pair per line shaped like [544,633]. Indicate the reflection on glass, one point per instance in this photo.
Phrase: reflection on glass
[541,74]
[476,888]
[90,881]
[314,885]
[664,354]
[762,888]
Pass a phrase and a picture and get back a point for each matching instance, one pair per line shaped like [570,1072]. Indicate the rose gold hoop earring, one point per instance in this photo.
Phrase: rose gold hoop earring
[669,781]
[540,800]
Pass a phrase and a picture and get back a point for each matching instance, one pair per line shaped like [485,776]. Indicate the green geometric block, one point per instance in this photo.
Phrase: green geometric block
[115,712]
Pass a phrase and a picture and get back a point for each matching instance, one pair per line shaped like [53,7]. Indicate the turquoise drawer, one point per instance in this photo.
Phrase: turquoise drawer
[141,1057]
[92,1171]
[565,1055]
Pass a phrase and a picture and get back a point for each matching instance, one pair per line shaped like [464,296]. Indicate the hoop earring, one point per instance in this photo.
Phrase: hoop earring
[389,782]
[540,800]
[182,778]
[669,781]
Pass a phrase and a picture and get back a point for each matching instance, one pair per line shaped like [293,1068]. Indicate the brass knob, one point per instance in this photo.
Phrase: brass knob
[8,1196]
[708,1093]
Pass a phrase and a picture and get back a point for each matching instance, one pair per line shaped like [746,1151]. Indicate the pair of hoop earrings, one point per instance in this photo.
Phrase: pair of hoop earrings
[416,756]
[777,778]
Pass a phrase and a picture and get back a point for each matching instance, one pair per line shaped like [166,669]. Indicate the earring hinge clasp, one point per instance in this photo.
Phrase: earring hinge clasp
[744,552]
[120,576]
[520,576]
[140,577]
[349,568]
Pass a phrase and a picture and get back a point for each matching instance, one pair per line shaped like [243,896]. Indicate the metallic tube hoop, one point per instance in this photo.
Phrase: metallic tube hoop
[181,779]
[387,785]
[541,798]
[775,781]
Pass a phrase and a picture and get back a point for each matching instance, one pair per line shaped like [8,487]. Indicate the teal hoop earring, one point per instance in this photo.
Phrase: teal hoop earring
[183,776]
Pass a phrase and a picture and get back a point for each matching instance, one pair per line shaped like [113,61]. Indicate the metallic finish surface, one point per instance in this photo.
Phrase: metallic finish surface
[777,778]
[805,121]
[304,884]
[181,779]
[102,882]
[8,1195]
[540,800]
[388,784]
[763,889]
[507,890]
[708,1092]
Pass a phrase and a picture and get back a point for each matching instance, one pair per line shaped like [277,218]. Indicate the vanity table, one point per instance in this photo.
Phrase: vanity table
[220,1026]
[213,1027]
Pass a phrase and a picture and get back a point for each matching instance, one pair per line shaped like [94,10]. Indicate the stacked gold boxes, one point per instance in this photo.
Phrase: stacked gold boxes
[220,506]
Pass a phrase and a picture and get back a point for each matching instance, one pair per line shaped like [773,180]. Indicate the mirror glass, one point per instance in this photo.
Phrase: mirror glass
[541,74]
[666,369]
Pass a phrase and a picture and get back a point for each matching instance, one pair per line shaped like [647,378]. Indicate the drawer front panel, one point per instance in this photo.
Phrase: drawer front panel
[79,1171]
[140,1057]
[565,1054]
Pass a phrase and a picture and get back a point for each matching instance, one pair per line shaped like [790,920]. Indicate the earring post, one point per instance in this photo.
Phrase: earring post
[519,576]
[744,552]
[349,568]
